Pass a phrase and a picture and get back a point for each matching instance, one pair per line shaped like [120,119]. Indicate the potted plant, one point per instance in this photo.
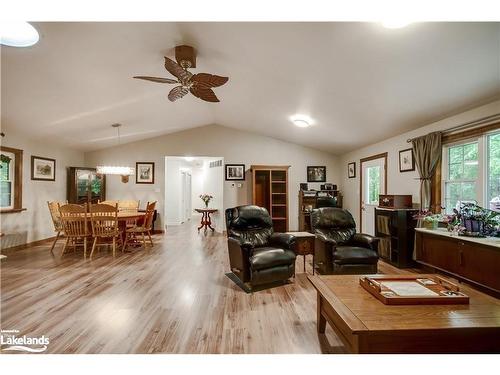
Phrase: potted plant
[206,199]
[428,219]
[477,221]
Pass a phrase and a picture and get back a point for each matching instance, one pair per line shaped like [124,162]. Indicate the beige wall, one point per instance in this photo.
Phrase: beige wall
[234,145]
[35,223]
[400,183]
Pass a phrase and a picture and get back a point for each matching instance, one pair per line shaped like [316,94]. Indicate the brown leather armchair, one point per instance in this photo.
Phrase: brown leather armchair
[339,249]
[257,255]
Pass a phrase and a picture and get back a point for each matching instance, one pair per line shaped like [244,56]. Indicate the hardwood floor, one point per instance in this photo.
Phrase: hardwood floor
[173,298]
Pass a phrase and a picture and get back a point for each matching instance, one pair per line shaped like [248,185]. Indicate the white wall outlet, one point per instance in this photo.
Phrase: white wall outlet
[157,190]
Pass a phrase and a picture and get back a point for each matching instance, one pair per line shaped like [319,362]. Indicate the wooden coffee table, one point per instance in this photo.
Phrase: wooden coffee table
[366,325]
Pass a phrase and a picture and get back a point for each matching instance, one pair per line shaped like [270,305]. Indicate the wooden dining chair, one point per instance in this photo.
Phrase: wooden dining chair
[104,222]
[74,225]
[144,229]
[109,202]
[128,205]
[56,220]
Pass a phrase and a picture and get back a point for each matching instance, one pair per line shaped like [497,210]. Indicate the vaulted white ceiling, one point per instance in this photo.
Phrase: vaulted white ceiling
[360,82]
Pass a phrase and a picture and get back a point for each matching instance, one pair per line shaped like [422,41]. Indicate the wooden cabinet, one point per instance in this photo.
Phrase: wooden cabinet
[473,260]
[395,228]
[270,190]
[85,185]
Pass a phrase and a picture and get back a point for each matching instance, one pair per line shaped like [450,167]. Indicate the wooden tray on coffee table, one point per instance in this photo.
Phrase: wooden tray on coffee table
[413,290]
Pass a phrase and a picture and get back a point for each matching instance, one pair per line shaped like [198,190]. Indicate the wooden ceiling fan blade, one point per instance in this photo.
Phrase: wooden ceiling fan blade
[204,94]
[209,80]
[176,70]
[157,79]
[177,93]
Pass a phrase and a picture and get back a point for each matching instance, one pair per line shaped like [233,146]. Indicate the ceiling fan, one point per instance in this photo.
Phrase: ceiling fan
[199,84]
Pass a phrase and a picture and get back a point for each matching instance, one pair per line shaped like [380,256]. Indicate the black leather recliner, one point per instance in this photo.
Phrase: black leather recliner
[339,249]
[257,255]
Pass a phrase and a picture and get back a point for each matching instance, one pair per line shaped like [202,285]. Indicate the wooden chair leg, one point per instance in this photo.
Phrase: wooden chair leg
[114,246]
[84,247]
[93,247]
[65,245]
[150,239]
[144,240]
[54,243]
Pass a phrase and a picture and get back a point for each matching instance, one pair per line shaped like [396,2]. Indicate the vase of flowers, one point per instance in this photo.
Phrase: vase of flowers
[206,198]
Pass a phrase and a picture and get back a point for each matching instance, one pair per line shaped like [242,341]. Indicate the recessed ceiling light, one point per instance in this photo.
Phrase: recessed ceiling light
[18,34]
[301,121]
[395,24]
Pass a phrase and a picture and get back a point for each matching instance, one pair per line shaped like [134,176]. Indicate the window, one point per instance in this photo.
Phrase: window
[373,184]
[493,173]
[7,179]
[11,164]
[471,172]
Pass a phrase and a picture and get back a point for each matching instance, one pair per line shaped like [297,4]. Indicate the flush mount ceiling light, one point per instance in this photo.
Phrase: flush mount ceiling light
[18,34]
[395,24]
[125,172]
[188,158]
[301,121]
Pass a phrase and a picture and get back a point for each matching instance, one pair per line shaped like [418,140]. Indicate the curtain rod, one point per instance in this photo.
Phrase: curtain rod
[469,124]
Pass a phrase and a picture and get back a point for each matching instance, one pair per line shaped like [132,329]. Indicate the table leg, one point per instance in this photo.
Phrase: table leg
[202,221]
[304,263]
[209,222]
[321,319]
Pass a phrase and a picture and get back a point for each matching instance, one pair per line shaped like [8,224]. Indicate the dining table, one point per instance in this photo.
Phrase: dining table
[125,216]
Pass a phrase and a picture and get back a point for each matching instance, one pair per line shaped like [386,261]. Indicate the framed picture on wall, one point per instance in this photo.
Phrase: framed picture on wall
[316,173]
[144,172]
[43,169]
[406,160]
[351,170]
[235,172]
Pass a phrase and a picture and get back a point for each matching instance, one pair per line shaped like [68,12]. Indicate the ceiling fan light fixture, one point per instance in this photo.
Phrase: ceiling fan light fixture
[302,121]
[18,34]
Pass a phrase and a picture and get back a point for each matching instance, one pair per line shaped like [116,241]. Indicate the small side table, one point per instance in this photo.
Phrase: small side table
[206,222]
[304,245]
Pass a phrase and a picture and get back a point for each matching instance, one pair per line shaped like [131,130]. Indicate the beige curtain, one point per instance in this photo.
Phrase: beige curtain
[427,152]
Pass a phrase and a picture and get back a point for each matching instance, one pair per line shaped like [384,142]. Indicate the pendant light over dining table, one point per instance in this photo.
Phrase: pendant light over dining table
[123,171]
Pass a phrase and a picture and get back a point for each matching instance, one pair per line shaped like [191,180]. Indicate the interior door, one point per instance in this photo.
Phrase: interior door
[373,184]
[187,213]
[183,197]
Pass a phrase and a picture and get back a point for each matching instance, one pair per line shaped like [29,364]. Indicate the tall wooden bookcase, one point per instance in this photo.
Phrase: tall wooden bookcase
[270,190]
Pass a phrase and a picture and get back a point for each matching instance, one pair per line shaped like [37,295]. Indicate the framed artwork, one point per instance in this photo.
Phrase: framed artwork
[316,173]
[43,169]
[144,172]
[406,160]
[235,172]
[351,170]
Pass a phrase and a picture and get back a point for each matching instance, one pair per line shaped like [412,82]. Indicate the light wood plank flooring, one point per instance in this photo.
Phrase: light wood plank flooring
[173,298]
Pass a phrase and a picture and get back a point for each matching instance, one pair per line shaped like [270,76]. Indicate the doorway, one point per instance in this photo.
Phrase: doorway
[373,181]
[186,178]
